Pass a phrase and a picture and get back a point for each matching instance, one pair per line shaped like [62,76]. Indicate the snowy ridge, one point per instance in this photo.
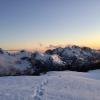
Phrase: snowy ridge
[40,91]
[29,63]
[74,50]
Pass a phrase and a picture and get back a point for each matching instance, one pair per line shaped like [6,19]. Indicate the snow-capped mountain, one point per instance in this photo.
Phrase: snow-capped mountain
[76,54]
[68,58]
[71,51]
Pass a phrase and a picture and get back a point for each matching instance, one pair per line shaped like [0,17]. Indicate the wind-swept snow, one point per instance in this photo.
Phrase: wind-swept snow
[65,85]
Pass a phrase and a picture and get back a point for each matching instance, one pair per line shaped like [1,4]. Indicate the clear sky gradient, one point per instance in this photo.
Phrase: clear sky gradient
[33,24]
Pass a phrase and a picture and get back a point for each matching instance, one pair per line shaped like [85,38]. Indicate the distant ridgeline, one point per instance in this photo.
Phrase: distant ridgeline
[73,58]
[11,51]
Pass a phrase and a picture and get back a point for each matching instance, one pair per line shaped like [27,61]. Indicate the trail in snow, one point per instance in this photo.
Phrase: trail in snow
[40,91]
[64,85]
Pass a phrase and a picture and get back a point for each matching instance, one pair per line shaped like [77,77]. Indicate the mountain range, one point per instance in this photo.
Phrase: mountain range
[72,58]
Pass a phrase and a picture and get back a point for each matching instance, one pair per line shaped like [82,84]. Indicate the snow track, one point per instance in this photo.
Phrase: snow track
[40,91]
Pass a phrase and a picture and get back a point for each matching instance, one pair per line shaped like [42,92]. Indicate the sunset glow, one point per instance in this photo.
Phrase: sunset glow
[37,24]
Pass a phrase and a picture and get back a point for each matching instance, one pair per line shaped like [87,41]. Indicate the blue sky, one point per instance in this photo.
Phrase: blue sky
[29,23]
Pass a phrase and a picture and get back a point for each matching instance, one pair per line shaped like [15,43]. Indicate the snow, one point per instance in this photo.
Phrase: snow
[10,64]
[46,57]
[56,59]
[64,85]
[76,51]
[41,56]
[95,74]
[24,62]
[23,54]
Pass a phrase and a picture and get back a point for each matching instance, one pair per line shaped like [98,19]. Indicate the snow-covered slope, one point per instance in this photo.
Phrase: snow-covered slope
[95,74]
[42,57]
[12,64]
[52,86]
[82,53]
[69,58]
[23,54]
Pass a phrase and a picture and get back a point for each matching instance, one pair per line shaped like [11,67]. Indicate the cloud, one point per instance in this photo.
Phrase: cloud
[53,46]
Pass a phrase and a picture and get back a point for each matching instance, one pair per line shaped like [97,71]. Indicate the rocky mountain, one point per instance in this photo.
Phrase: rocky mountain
[68,58]
[77,57]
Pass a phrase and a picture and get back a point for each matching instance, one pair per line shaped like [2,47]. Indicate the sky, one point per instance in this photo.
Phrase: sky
[36,24]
